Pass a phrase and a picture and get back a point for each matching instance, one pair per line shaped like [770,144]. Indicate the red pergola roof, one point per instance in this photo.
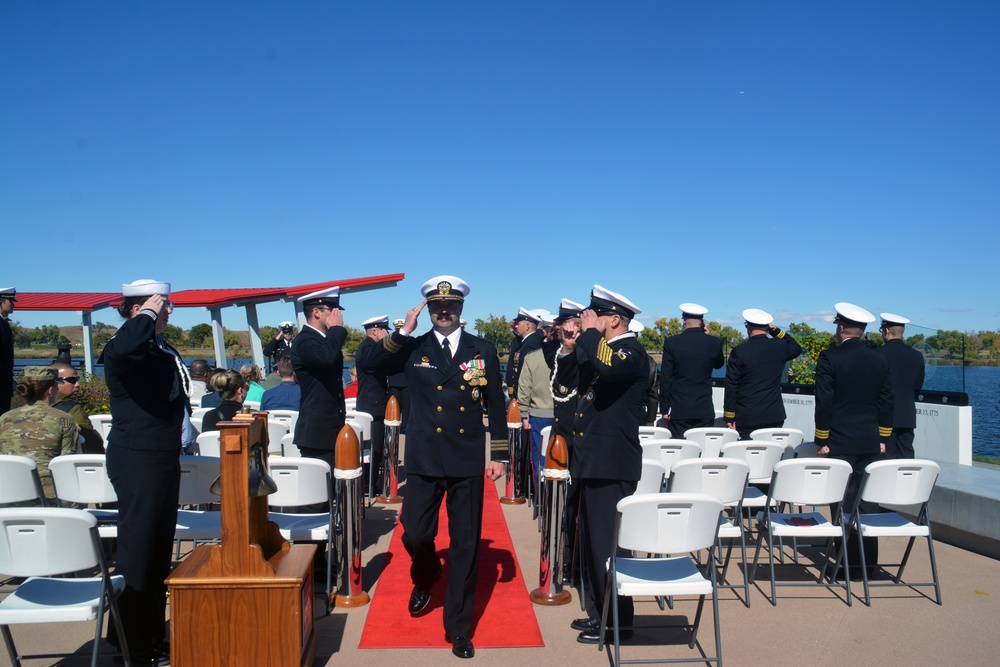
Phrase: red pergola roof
[90,301]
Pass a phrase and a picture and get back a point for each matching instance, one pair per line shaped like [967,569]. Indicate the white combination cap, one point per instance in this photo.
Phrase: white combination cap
[324,297]
[605,302]
[547,318]
[569,309]
[893,320]
[693,310]
[378,322]
[285,325]
[445,288]
[146,287]
[635,326]
[854,314]
[757,316]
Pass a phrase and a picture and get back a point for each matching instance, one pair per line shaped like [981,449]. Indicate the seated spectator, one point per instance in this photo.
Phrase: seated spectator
[200,372]
[212,400]
[252,377]
[351,389]
[67,399]
[287,395]
[37,430]
[231,387]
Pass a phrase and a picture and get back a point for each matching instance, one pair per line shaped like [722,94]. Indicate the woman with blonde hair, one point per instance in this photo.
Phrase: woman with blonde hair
[232,390]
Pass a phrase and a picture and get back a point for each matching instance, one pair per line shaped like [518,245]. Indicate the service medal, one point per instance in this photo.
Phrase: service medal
[475,394]
[468,375]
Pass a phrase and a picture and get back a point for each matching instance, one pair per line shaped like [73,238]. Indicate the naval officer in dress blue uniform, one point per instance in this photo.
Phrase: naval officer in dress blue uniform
[318,361]
[613,369]
[854,407]
[754,374]
[450,373]
[373,390]
[686,373]
[906,367]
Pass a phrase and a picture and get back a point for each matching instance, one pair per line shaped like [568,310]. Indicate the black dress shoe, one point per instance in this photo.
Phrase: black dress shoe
[593,636]
[419,599]
[584,624]
[461,646]
[146,658]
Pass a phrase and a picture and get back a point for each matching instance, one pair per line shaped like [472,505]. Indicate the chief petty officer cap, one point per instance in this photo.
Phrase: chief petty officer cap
[758,317]
[378,322]
[398,324]
[547,318]
[605,302]
[848,313]
[445,288]
[286,325]
[693,311]
[39,373]
[893,320]
[635,326]
[9,293]
[324,297]
[146,287]
[569,309]
[529,315]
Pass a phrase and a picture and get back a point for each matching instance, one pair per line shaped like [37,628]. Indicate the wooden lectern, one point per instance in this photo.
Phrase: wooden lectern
[249,600]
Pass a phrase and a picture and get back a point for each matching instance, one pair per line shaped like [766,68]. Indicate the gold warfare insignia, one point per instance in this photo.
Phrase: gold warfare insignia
[425,360]
[621,355]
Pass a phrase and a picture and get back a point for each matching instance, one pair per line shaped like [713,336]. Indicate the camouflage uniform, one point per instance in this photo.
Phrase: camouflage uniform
[93,443]
[41,433]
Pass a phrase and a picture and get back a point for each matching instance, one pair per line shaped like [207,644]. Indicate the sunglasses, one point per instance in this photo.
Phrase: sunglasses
[71,380]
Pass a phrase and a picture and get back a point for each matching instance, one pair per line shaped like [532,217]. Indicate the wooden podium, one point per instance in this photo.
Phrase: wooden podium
[248,601]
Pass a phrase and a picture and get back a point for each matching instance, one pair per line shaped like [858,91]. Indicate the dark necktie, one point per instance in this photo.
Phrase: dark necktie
[446,346]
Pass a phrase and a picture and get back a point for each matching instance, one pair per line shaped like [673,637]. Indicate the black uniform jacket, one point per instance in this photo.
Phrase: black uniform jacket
[565,388]
[277,348]
[373,383]
[906,368]
[6,363]
[319,370]
[686,374]
[144,387]
[753,379]
[853,399]
[445,434]
[610,409]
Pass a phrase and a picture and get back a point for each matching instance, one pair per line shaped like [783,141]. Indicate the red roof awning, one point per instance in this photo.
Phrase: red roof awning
[86,301]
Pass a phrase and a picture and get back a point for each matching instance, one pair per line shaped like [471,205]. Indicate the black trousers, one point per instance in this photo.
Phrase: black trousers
[422,498]
[598,512]
[900,445]
[679,426]
[858,463]
[746,431]
[147,483]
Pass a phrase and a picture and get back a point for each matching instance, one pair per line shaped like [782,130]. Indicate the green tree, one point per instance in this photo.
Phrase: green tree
[101,338]
[200,335]
[47,334]
[267,334]
[231,338]
[173,334]
[63,340]
[496,330]
[101,326]
[803,368]
[23,338]
[354,338]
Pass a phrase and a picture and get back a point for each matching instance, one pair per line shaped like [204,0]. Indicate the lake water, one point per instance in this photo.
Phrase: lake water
[982,384]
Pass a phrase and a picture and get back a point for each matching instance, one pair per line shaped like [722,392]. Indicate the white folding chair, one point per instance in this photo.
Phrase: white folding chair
[288,446]
[40,543]
[198,415]
[651,432]
[362,422]
[208,444]
[350,403]
[815,482]
[19,480]
[198,473]
[669,451]
[252,405]
[711,439]
[287,417]
[897,482]
[101,424]
[761,457]
[651,477]
[789,437]
[300,482]
[83,479]
[275,432]
[726,479]
[658,525]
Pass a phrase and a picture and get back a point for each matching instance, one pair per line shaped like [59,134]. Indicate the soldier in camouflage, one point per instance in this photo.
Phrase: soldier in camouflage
[37,430]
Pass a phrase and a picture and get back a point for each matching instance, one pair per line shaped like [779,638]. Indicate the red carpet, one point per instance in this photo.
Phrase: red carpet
[504,617]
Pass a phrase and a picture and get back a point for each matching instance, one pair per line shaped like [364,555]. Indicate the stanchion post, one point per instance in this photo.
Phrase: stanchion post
[347,474]
[390,459]
[555,475]
[514,493]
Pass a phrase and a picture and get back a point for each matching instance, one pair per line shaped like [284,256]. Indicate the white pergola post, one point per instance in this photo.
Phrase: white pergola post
[300,315]
[255,345]
[218,338]
[88,342]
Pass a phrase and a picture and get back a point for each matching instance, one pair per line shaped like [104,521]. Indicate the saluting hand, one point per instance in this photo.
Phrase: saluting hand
[410,322]
[154,303]
[335,318]
[589,320]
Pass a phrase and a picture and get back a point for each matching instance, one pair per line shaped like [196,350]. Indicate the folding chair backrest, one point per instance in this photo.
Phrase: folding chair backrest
[208,444]
[101,424]
[789,437]
[651,477]
[761,456]
[82,478]
[899,481]
[364,420]
[711,439]
[819,481]
[546,434]
[275,432]
[669,451]
[350,403]
[254,406]
[46,541]
[19,480]
[668,523]
[651,432]
[198,473]
[726,479]
[300,481]
[287,417]
[198,415]
[288,446]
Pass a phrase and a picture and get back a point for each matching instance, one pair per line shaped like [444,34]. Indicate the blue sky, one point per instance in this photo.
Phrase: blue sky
[777,155]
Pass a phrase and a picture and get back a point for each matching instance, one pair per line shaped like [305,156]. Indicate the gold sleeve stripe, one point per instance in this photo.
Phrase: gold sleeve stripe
[604,352]
[884,431]
[822,434]
[730,415]
[781,334]
[389,345]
